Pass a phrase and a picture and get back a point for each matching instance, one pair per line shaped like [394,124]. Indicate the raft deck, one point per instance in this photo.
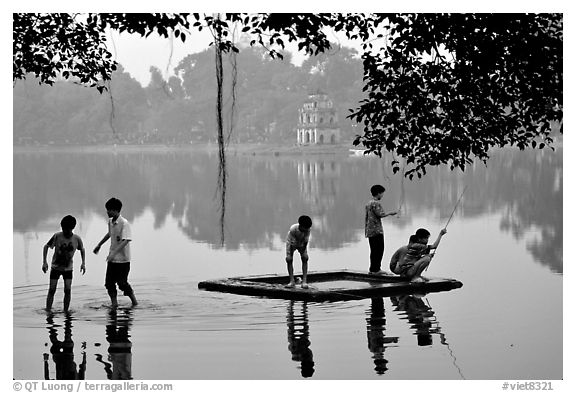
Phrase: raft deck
[328,286]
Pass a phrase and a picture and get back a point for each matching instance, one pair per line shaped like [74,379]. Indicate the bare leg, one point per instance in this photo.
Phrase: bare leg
[51,292]
[67,294]
[414,273]
[133,299]
[113,299]
[290,267]
[304,272]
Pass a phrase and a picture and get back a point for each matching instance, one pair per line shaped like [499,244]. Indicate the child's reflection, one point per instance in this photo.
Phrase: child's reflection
[419,314]
[63,352]
[298,338]
[120,346]
[377,339]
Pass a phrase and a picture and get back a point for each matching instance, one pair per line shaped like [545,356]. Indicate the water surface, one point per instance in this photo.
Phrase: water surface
[504,243]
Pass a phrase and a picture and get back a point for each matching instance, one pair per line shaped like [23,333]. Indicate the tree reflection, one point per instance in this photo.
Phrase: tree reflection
[265,193]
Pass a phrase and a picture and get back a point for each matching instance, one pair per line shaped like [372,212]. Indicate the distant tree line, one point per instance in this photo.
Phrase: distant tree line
[440,88]
[180,109]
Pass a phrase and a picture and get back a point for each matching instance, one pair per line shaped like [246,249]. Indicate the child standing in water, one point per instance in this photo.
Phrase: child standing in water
[373,228]
[297,239]
[118,259]
[65,244]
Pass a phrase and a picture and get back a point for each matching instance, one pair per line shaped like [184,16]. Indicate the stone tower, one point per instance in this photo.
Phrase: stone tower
[317,121]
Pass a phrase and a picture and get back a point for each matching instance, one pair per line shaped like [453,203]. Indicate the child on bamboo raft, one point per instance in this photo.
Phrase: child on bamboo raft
[297,239]
[411,260]
[374,213]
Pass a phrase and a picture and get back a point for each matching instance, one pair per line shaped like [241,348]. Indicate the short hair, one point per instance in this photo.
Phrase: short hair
[376,189]
[420,233]
[413,239]
[305,221]
[68,223]
[114,204]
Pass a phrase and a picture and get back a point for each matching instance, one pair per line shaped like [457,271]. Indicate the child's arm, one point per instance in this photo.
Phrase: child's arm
[44,254]
[48,245]
[83,255]
[104,240]
[83,266]
[379,211]
[437,242]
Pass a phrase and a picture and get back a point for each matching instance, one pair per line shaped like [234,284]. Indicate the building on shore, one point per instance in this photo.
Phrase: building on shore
[317,121]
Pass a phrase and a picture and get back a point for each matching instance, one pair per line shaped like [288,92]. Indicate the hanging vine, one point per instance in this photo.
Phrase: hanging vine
[217,32]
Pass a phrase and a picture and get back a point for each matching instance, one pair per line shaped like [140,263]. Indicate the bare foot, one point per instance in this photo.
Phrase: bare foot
[290,285]
[381,273]
[304,285]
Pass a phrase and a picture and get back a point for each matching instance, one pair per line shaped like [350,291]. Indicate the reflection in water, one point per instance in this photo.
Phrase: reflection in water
[377,339]
[63,351]
[120,346]
[318,181]
[419,315]
[298,337]
[523,188]
[423,321]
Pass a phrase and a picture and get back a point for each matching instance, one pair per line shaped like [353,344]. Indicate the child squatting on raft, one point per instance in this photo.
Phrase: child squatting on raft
[411,260]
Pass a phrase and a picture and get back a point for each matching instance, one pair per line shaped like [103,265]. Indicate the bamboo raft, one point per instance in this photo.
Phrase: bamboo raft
[328,286]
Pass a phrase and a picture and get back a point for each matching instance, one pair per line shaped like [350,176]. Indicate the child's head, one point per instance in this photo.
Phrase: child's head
[67,224]
[304,223]
[113,207]
[422,235]
[377,190]
[413,239]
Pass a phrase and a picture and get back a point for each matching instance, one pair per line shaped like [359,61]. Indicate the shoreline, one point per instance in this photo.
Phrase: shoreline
[243,149]
[252,149]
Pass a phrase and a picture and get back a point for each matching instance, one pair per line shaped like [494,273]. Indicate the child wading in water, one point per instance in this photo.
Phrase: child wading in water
[373,228]
[65,244]
[297,239]
[118,259]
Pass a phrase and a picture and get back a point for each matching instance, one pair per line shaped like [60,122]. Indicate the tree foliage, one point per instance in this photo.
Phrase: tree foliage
[447,88]
[440,88]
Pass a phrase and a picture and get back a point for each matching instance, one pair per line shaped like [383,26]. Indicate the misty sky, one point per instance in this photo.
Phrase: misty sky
[137,54]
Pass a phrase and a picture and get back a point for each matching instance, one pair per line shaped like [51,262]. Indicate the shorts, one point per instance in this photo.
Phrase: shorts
[55,274]
[117,273]
[290,251]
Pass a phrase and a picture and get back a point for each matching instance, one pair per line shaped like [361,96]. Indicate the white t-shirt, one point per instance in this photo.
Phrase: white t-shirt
[118,231]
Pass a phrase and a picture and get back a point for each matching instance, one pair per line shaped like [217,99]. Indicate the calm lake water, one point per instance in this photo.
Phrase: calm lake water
[504,243]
